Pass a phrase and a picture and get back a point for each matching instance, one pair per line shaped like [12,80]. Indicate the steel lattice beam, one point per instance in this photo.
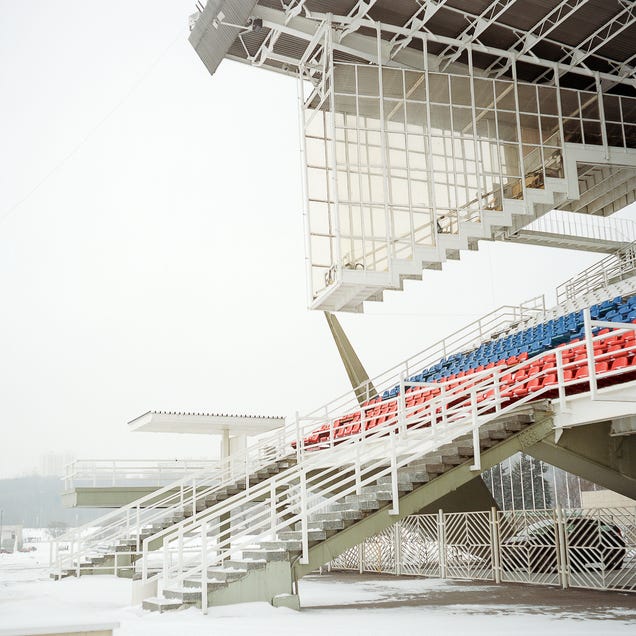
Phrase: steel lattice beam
[365,47]
[476,27]
[528,39]
[599,38]
[414,25]
[533,59]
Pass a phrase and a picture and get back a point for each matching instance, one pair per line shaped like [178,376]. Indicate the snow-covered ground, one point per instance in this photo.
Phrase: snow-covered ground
[336,604]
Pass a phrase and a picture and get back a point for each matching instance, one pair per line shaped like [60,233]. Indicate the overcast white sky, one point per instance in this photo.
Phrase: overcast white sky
[151,247]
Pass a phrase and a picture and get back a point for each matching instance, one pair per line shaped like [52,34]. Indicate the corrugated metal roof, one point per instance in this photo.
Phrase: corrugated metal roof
[192,414]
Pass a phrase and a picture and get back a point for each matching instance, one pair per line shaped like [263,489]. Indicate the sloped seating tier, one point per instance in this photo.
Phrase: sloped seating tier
[531,372]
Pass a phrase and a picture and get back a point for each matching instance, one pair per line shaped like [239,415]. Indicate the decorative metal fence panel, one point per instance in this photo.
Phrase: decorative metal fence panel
[601,548]
[419,548]
[528,546]
[585,548]
[468,545]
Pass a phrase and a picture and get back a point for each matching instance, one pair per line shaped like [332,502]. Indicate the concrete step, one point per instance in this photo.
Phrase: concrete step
[188,595]
[295,535]
[345,515]
[244,564]
[327,525]
[402,479]
[266,555]
[288,546]
[383,492]
[161,605]
[227,575]
[363,502]
[213,584]
[415,476]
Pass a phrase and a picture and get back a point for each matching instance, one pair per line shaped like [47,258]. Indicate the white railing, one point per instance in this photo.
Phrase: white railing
[491,326]
[585,226]
[185,494]
[412,430]
[508,546]
[180,497]
[97,473]
[600,275]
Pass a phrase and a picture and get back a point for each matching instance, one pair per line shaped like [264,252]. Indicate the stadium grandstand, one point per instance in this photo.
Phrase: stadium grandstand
[426,126]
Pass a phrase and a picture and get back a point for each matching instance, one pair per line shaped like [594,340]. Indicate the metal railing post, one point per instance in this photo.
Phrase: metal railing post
[475,420]
[272,504]
[204,567]
[395,495]
[401,404]
[304,559]
[589,348]
[358,475]
[560,377]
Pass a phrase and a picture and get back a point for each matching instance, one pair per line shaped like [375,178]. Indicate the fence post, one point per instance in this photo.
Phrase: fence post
[361,557]
[495,543]
[441,541]
[562,553]
[397,552]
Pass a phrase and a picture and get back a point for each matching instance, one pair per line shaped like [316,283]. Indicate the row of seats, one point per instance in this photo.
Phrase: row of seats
[531,341]
[614,356]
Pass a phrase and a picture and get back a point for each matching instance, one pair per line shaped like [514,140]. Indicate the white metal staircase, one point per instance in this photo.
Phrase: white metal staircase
[114,542]
[351,286]
[335,498]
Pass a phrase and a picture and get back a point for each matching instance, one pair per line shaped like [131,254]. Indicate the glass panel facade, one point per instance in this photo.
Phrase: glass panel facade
[395,158]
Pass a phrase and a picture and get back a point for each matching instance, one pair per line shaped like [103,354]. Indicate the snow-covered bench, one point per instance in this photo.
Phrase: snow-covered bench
[96,629]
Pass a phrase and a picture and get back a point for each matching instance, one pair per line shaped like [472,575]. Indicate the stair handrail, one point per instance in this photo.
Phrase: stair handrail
[491,325]
[585,226]
[459,420]
[129,520]
[110,471]
[598,275]
[117,523]
[132,517]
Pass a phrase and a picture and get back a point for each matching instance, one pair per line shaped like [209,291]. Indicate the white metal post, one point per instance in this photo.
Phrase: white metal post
[401,404]
[304,559]
[441,541]
[560,377]
[476,448]
[300,441]
[395,495]
[589,348]
[397,551]
[358,475]
[497,380]
[495,543]
[204,567]
[272,504]
[562,553]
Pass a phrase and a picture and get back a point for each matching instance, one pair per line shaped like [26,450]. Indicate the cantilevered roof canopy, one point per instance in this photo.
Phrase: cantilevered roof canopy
[577,37]
[207,423]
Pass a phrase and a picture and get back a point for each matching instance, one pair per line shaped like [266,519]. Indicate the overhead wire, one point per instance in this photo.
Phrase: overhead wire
[60,164]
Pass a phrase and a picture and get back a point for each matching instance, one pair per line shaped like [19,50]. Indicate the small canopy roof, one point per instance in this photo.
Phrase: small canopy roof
[207,423]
